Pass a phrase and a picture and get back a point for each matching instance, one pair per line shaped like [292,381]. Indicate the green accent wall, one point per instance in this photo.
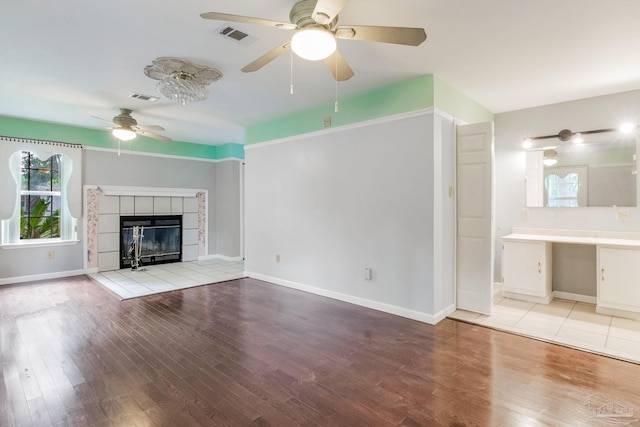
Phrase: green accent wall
[24,128]
[415,94]
[411,95]
[449,99]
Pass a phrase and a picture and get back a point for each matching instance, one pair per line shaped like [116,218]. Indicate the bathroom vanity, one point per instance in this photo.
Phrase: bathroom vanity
[527,267]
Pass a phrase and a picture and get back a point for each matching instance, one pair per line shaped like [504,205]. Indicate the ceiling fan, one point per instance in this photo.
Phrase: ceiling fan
[126,127]
[316,31]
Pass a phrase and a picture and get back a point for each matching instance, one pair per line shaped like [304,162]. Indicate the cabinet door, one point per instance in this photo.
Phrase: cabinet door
[619,278]
[526,268]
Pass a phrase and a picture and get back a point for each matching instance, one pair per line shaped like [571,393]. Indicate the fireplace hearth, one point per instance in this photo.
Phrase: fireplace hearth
[161,240]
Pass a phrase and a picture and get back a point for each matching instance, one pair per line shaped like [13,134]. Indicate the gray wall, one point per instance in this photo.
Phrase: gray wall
[331,204]
[128,169]
[227,208]
[574,269]
[221,179]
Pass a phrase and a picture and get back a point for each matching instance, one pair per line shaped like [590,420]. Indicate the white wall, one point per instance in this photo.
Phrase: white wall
[510,128]
[333,203]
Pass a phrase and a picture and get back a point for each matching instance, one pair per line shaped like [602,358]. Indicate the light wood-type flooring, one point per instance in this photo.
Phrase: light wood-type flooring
[246,352]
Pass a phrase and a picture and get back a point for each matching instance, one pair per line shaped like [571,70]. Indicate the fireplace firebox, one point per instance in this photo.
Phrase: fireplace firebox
[161,240]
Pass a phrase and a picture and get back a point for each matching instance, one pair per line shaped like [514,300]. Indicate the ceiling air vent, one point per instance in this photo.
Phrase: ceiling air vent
[144,97]
[228,32]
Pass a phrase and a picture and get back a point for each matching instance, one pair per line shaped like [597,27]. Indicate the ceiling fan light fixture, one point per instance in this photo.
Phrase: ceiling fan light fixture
[123,134]
[550,157]
[313,43]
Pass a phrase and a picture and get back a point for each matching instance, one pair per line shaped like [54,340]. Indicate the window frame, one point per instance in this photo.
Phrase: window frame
[10,229]
[55,173]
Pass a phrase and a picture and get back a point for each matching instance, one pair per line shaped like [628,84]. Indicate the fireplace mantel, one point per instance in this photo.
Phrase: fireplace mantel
[115,190]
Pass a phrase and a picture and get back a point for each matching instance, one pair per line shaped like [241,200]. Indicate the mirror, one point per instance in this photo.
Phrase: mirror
[594,173]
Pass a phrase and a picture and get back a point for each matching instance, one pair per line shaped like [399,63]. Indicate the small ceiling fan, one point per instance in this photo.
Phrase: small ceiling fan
[316,31]
[126,127]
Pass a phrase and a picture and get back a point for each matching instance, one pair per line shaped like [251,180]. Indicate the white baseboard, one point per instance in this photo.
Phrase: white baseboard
[528,298]
[222,257]
[431,319]
[574,297]
[45,276]
[619,313]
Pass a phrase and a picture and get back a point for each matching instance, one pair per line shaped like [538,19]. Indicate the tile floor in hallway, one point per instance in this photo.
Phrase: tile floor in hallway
[570,323]
[168,277]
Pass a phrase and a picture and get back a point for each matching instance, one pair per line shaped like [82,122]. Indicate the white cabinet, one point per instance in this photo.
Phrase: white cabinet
[618,279]
[526,270]
[526,267]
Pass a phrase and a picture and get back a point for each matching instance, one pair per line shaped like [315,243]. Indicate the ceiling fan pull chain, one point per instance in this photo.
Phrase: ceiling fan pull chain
[335,105]
[291,71]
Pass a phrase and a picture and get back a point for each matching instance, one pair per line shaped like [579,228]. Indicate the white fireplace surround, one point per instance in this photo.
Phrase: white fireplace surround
[105,204]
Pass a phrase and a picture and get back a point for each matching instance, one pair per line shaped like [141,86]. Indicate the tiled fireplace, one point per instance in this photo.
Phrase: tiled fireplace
[105,207]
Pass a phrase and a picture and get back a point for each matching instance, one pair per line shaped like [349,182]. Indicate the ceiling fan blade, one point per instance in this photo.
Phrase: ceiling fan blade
[338,66]
[326,10]
[104,120]
[150,127]
[267,57]
[398,35]
[247,19]
[153,135]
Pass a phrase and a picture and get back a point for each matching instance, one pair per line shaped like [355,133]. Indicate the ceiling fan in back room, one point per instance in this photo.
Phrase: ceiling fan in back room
[125,127]
[315,26]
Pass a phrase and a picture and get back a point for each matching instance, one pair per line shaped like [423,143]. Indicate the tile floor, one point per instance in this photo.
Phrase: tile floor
[570,323]
[168,277]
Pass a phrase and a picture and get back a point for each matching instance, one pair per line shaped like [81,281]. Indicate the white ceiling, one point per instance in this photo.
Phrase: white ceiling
[67,60]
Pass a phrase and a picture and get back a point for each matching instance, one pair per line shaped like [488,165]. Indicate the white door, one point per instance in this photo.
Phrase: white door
[474,237]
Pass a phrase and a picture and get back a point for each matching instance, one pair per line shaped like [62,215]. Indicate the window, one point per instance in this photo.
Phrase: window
[40,197]
[566,186]
[563,192]
[41,192]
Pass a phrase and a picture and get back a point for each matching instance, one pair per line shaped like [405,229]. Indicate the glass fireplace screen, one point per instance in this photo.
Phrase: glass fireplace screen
[161,240]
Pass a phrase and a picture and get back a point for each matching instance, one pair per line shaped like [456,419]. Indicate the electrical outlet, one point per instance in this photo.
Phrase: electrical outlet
[277,257]
[50,254]
[525,213]
[622,214]
[368,273]
[327,121]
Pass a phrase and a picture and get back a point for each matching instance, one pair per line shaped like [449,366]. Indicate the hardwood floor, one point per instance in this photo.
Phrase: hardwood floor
[247,352]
